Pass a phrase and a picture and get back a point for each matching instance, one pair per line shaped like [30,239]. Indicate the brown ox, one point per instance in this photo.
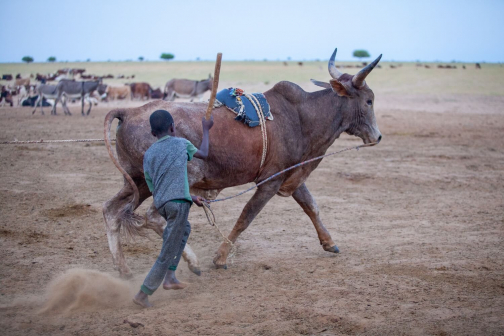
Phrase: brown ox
[185,88]
[140,91]
[118,92]
[306,125]
[5,96]
[157,94]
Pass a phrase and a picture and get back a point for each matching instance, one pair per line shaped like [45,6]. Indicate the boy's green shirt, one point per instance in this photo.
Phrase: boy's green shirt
[191,150]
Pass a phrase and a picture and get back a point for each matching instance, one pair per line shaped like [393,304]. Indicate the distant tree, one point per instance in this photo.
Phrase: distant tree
[361,53]
[51,59]
[140,58]
[88,60]
[167,56]
[27,59]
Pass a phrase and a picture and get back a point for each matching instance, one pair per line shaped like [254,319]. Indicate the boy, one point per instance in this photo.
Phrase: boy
[165,169]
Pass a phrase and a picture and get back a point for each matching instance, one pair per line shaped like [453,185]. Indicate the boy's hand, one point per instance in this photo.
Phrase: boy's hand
[207,124]
[198,200]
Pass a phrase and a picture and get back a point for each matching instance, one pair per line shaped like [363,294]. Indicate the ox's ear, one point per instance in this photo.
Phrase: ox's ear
[339,88]
[321,84]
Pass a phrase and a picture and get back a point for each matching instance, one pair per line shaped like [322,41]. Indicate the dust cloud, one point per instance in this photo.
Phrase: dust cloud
[85,290]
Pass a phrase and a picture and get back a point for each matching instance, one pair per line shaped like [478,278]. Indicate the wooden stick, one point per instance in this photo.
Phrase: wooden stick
[215,85]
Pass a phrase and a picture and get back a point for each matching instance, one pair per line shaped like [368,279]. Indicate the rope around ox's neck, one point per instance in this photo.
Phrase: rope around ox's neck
[290,168]
[211,217]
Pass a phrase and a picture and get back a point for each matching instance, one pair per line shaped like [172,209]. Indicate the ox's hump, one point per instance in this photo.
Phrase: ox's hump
[289,91]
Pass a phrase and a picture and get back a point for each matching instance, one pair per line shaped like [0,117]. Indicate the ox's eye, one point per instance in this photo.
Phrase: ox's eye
[370,102]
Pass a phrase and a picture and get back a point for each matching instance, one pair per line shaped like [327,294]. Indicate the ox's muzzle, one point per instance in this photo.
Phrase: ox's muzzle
[373,139]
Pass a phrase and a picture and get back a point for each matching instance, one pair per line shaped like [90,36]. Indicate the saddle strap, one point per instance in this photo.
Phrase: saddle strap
[262,120]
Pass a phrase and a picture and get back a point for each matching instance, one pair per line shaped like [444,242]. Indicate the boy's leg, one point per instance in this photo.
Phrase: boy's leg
[176,216]
[171,282]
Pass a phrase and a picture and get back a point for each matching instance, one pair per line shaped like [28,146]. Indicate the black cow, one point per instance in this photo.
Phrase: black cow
[30,101]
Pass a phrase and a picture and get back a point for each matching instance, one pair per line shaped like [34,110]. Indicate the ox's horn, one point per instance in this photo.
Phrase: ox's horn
[332,68]
[359,79]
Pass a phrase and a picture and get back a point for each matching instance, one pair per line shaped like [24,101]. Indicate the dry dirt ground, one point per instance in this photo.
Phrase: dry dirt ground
[419,221]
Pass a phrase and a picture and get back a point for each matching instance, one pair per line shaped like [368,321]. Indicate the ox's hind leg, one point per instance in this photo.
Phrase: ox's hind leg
[305,200]
[118,212]
[157,223]
[263,194]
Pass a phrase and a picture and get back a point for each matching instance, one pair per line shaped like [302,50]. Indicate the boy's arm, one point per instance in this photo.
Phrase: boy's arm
[202,152]
[198,200]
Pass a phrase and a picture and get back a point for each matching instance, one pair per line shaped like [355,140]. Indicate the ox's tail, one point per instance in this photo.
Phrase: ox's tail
[130,224]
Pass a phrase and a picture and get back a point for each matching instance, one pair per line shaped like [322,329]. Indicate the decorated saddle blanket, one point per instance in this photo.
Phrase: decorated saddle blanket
[246,106]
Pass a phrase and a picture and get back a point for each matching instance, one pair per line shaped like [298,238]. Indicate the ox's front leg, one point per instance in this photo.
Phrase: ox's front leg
[263,194]
[304,198]
[157,223]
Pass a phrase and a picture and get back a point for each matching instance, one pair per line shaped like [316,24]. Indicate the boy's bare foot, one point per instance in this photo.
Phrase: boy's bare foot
[142,299]
[171,282]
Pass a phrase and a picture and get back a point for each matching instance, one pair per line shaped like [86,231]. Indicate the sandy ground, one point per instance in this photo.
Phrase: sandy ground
[418,219]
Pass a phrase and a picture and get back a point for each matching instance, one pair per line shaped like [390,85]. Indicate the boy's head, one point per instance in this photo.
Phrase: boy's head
[161,123]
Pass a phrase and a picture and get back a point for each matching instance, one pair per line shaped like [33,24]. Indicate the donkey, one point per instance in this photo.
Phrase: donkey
[45,91]
[75,90]
[186,88]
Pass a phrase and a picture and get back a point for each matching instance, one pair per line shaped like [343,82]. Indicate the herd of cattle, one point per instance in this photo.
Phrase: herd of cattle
[70,86]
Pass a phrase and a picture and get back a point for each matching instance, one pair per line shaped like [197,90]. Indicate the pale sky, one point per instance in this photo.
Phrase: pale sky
[444,30]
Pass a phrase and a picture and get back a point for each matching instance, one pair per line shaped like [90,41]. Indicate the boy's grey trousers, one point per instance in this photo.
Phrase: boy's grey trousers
[175,237]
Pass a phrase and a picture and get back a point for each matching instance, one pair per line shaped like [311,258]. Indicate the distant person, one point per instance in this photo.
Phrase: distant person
[165,169]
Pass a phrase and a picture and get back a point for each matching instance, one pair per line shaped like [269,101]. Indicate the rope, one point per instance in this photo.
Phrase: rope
[213,222]
[50,141]
[262,121]
[290,168]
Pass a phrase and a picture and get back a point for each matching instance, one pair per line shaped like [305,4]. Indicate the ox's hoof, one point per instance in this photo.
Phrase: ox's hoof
[224,266]
[195,270]
[219,264]
[219,261]
[333,249]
